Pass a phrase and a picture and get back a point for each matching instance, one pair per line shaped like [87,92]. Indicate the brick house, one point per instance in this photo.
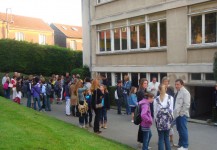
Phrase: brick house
[67,36]
[24,28]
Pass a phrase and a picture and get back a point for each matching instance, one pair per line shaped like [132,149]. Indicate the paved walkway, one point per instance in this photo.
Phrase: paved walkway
[120,128]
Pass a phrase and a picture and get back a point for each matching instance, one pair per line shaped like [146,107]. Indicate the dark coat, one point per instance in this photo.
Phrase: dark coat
[96,97]
[106,100]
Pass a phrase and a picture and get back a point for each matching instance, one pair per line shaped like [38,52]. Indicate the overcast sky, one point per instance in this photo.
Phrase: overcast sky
[51,11]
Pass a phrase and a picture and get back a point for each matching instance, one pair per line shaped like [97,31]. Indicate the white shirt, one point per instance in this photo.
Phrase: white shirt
[4,80]
[163,103]
[153,87]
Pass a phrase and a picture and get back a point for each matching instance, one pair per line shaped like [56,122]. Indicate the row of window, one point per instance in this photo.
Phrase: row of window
[20,37]
[203,29]
[134,77]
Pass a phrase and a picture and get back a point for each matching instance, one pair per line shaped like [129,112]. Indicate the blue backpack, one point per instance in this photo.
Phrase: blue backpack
[164,117]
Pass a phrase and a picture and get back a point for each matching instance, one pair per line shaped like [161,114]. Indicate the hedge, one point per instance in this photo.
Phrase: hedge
[31,58]
[83,72]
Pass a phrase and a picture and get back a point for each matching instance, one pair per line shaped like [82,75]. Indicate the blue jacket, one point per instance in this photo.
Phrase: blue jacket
[133,100]
[126,87]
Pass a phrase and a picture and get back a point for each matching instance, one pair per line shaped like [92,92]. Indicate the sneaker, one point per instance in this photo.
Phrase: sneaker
[182,148]
[149,147]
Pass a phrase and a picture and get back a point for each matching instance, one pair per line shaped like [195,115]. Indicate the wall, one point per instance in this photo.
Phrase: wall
[59,37]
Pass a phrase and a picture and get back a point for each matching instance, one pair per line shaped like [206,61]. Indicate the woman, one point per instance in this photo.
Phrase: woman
[97,96]
[74,99]
[163,103]
[36,91]
[141,94]
[67,98]
[79,92]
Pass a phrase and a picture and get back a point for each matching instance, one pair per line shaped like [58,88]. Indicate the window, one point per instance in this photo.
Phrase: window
[42,39]
[19,36]
[73,45]
[135,81]
[117,39]
[133,37]
[142,75]
[158,32]
[117,77]
[142,36]
[195,76]
[124,38]
[104,41]
[209,76]
[203,28]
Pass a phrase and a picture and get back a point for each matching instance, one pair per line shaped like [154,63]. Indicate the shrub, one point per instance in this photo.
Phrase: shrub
[83,72]
[31,58]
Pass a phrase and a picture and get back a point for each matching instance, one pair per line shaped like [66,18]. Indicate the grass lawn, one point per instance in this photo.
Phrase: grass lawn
[25,129]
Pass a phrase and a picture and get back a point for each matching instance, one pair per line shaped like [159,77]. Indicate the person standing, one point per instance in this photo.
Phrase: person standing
[67,98]
[28,91]
[14,83]
[6,81]
[181,113]
[153,86]
[36,91]
[214,97]
[120,96]
[163,114]
[126,92]
[133,101]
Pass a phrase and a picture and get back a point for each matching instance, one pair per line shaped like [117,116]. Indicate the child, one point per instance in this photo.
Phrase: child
[146,120]
[133,101]
[88,98]
[106,106]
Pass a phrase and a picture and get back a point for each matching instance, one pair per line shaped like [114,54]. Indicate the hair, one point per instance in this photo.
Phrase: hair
[160,87]
[141,81]
[150,95]
[43,80]
[94,85]
[132,89]
[78,85]
[180,80]
[165,79]
[87,79]
[36,79]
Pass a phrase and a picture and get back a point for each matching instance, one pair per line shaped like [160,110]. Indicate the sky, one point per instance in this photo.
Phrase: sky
[51,11]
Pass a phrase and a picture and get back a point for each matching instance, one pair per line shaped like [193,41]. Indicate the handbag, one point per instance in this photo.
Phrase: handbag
[97,105]
[10,85]
[83,108]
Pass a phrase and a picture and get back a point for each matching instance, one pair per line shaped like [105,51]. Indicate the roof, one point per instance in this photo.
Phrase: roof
[24,22]
[69,30]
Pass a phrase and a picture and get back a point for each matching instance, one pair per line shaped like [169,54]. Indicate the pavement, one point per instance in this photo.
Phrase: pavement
[120,128]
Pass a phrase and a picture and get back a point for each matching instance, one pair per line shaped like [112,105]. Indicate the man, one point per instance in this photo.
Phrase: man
[181,113]
[153,86]
[126,92]
[119,95]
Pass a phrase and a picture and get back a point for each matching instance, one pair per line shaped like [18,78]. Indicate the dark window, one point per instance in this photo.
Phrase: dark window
[163,34]
[117,77]
[195,76]
[109,77]
[117,39]
[153,35]
[196,29]
[210,27]
[142,36]
[153,75]
[142,75]
[134,77]
[162,75]
[124,38]
[209,76]
[133,37]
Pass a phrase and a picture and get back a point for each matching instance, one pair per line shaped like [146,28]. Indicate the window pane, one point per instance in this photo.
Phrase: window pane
[210,27]
[117,77]
[108,40]
[109,77]
[196,29]
[134,77]
[142,75]
[133,37]
[210,76]
[153,35]
[124,38]
[163,34]
[152,75]
[195,76]
[117,39]
[142,36]
[101,41]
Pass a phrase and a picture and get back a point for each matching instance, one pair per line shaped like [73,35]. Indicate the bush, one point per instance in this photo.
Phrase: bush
[83,72]
[31,58]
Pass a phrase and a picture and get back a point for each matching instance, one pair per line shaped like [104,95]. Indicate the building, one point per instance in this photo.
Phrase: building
[23,28]
[146,38]
[67,36]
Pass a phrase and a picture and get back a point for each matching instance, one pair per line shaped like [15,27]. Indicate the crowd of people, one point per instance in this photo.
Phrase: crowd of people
[158,103]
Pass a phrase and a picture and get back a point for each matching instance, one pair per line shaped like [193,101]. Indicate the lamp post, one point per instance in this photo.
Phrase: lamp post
[7,22]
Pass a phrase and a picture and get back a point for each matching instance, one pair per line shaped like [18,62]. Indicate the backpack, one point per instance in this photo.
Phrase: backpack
[137,115]
[56,87]
[164,117]
[48,89]
[116,94]
[25,87]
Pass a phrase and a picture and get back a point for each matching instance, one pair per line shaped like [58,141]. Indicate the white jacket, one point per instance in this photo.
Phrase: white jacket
[182,104]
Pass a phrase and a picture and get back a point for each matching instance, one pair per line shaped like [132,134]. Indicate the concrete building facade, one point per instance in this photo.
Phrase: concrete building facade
[146,38]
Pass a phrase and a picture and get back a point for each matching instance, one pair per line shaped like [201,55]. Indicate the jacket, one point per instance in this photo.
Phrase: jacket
[127,87]
[145,114]
[96,97]
[183,101]
[81,94]
[120,92]
[106,101]
[36,91]
[133,100]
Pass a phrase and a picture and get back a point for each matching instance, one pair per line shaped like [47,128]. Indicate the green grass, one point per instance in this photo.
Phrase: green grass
[22,128]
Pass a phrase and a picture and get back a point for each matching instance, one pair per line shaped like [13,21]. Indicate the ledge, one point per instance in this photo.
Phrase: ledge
[120,52]
[99,4]
[202,46]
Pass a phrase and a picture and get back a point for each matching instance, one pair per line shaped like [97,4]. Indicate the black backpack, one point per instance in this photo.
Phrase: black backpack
[137,115]
[49,89]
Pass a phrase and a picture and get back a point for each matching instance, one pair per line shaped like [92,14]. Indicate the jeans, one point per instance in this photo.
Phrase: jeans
[126,101]
[163,137]
[28,99]
[103,115]
[90,115]
[39,103]
[48,108]
[146,139]
[181,125]
[68,105]
[119,103]
[7,93]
